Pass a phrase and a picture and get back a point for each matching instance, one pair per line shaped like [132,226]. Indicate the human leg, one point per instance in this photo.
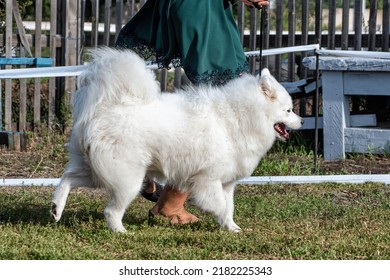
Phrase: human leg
[171,205]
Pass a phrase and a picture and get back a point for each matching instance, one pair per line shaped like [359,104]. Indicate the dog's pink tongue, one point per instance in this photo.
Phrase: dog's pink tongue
[281,128]
[284,131]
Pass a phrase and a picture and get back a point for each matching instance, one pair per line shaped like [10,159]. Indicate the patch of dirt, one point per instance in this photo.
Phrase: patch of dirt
[358,164]
[33,163]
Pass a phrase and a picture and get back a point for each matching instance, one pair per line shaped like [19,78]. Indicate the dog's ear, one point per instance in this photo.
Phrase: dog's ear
[265,72]
[267,84]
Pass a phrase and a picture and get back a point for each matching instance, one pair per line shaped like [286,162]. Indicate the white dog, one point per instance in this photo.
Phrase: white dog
[201,139]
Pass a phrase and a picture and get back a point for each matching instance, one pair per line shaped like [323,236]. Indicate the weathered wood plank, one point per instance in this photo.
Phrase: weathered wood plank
[131,10]
[336,118]
[358,21]
[363,120]
[163,79]
[291,39]
[107,22]
[318,22]
[8,45]
[72,44]
[252,39]
[53,49]
[177,77]
[22,101]
[19,24]
[386,25]
[95,23]
[266,34]
[332,24]
[359,140]
[304,41]
[366,83]
[331,63]
[372,24]
[38,53]
[278,38]
[119,16]
[345,25]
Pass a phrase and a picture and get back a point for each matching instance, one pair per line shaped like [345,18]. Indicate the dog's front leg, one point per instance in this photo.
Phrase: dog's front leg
[229,223]
[212,197]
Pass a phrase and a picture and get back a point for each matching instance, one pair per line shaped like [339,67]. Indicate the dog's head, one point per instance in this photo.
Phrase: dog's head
[280,111]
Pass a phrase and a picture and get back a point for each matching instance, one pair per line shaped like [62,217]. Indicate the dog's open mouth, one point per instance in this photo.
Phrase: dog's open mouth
[281,130]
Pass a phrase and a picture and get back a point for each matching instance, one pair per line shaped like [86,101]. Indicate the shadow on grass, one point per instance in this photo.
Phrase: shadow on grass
[39,214]
[25,213]
[31,206]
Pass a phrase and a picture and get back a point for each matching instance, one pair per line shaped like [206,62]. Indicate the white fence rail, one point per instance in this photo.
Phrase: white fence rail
[65,71]
[254,180]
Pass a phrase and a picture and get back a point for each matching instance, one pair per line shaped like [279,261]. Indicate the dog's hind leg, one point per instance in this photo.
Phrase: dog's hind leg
[71,178]
[212,197]
[124,187]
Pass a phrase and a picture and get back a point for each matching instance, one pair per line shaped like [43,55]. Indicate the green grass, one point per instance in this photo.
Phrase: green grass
[325,221]
[308,221]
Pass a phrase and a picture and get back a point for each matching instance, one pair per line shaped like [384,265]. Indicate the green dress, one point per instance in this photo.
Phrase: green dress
[199,35]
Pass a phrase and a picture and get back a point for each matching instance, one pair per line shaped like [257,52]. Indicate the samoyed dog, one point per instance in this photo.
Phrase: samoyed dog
[200,139]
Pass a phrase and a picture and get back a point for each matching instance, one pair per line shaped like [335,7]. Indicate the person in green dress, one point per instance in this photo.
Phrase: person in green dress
[201,37]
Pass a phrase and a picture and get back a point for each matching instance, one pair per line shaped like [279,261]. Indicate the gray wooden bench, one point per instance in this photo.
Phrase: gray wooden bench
[343,77]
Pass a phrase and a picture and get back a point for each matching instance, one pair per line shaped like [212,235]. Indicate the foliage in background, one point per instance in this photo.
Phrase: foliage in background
[24,8]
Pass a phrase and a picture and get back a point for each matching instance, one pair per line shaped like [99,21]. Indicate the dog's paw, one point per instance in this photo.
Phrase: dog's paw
[233,227]
[53,212]
[120,229]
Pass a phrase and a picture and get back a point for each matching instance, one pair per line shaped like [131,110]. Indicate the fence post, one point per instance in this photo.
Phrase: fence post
[345,25]
[107,23]
[279,37]
[8,51]
[252,39]
[95,22]
[52,83]
[372,24]
[358,21]
[65,22]
[72,43]
[119,17]
[385,25]
[37,83]
[291,39]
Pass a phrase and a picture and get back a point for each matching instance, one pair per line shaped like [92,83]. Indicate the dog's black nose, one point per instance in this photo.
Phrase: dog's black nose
[302,121]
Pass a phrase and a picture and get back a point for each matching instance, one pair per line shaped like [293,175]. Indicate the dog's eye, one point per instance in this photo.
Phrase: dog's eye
[289,110]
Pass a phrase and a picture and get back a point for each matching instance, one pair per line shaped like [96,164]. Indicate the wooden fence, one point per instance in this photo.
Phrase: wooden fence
[76,25]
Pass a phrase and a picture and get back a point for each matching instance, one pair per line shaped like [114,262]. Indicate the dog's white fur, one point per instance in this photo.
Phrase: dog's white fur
[201,139]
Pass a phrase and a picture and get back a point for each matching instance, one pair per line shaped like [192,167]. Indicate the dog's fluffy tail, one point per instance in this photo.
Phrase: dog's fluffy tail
[117,76]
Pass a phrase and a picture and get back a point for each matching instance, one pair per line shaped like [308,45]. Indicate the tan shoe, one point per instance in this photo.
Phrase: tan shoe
[171,205]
